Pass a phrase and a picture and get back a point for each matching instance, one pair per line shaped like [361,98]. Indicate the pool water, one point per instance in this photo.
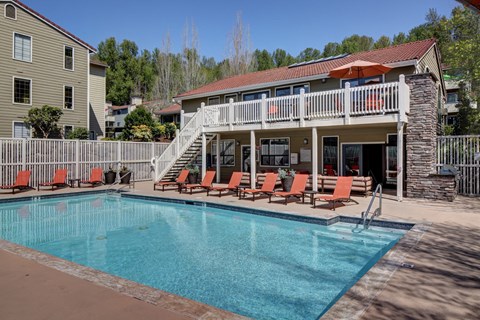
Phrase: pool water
[260,267]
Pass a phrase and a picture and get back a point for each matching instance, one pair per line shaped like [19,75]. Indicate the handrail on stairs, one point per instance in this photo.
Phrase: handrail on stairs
[117,182]
[378,211]
[180,144]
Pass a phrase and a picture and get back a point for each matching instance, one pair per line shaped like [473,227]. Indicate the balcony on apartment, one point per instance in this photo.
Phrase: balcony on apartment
[370,104]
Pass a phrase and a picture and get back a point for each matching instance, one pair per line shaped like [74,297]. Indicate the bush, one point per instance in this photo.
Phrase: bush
[44,121]
[78,133]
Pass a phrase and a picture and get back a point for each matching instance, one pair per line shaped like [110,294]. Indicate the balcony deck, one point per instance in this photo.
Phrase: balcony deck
[374,104]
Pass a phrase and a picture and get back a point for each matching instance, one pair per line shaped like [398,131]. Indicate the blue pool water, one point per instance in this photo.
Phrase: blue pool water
[261,267]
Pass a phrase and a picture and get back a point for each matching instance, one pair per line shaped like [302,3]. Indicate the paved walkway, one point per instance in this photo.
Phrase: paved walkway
[444,283]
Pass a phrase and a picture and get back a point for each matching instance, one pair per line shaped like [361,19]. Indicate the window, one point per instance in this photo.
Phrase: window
[66,131]
[255,95]
[231,96]
[68,97]
[22,91]
[227,152]
[452,97]
[391,174]
[10,12]
[68,53]
[363,81]
[213,100]
[330,156]
[290,90]
[275,152]
[20,130]
[22,47]
[451,120]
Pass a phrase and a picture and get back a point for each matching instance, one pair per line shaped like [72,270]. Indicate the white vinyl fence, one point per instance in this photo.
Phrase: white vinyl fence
[43,156]
[463,153]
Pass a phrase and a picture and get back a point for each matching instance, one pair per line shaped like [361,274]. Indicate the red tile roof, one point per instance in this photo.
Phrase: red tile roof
[54,25]
[404,52]
[172,109]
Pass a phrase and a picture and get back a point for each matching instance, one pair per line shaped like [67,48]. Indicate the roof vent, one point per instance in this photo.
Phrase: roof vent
[10,11]
[304,63]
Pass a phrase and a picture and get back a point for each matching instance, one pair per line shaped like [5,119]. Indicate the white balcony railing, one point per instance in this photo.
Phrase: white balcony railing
[380,99]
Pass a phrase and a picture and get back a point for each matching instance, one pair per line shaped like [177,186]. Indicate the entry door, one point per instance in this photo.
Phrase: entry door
[352,160]
[245,158]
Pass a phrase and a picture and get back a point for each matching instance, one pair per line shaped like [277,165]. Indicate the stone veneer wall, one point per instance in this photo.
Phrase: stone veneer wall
[421,143]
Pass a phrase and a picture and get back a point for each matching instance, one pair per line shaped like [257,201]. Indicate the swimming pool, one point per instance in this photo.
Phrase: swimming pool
[257,266]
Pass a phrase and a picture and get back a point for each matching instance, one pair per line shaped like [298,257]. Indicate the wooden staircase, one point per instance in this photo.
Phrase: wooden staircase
[192,152]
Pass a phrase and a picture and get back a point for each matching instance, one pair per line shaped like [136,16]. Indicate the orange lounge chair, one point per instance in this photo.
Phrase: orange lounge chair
[341,192]
[181,179]
[298,186]
[267,186]
[59,179]
[95,177]
[206,183]
[235,181]
[21,181]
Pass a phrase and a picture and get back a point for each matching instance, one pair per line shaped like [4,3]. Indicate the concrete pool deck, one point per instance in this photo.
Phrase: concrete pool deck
[443,284]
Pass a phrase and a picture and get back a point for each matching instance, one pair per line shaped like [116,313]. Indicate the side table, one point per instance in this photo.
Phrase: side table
[310,193]
[72,182]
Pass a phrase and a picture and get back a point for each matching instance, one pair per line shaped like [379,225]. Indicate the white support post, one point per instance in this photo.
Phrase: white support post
[348,103]
[400,161]
[263,111]
[204,155]
[202,110]
[154,171]
[403,99]
[77,159]
[231,114]
[218,158]
[177,143]
[301,110]
[253,162]
[182,119]
[314,159]
[24,154]
[119,155]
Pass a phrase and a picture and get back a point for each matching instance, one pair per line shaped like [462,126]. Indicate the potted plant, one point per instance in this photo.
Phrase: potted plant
[125,175]
[193,174]
[110,175]
[286,176]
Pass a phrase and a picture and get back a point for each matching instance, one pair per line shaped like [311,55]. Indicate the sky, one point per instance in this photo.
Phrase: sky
[289,25]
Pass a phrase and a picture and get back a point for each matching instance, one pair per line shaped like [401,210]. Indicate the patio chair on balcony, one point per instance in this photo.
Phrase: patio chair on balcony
[342,191]
[267,187]
[95,177]
[59,180]
[298,186]
[181,179]
[21,181]
[235,181]
[206,183]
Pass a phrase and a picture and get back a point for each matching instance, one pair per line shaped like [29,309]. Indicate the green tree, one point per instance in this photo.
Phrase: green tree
[282,59]
[139,116]
[78,133]
[44,121]
[357,43]
[309,54]
[264,60]
[468,118]
[332,49]
[142,133]
[382,42]
[399,38]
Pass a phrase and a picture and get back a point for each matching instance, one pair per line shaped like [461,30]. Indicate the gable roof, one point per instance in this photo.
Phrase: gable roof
[171,109]
[407,53]
[52,24]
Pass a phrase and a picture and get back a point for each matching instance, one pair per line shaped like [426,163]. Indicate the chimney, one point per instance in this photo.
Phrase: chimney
[136,100]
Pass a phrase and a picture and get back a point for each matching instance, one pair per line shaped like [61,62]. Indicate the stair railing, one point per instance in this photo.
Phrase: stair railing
[185,138]
[377,212]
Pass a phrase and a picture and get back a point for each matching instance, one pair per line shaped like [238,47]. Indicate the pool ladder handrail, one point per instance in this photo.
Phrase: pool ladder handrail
[117,182]
[378,211]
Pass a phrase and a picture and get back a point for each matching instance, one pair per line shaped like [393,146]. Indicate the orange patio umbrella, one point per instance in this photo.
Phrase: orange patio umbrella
[359,69]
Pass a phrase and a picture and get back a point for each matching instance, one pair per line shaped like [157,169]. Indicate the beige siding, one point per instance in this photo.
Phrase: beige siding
[366,134]
[45,70]
[97,99]
[430,61]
